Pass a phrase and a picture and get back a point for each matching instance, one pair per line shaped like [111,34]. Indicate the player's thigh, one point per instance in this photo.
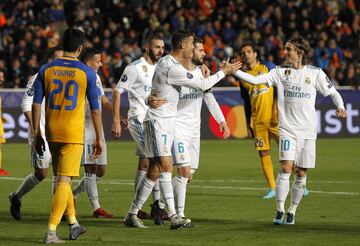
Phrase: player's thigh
[262,137]
[136,130]
[159,137]
[67,157]
[306,153]
[181,153]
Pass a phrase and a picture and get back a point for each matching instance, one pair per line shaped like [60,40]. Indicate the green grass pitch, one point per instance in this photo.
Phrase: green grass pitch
[224,200]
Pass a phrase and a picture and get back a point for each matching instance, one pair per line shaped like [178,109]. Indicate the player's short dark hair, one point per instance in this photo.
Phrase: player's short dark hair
[72,39]
[301,44]
[50,52]
[151,37]
[88,53]
[198,40]
[178,38]
[253,47]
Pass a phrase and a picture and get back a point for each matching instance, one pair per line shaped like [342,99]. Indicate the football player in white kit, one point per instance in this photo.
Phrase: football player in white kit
[94,168]
[186,148]
[297,85]
[159,124]
[137,79]
[40,163]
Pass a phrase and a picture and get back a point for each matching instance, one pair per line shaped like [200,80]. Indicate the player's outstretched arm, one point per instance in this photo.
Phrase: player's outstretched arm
[256,80]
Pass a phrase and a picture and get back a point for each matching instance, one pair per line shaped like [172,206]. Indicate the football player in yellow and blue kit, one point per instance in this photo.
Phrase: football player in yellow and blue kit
[263,111]
[65,83]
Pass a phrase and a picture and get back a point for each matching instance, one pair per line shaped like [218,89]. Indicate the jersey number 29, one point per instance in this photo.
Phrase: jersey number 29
[69,97]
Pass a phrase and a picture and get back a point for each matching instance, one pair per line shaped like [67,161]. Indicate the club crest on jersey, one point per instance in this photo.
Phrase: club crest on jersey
[124,78]
[144,68]
[189,75]
[287,72]
[307,80]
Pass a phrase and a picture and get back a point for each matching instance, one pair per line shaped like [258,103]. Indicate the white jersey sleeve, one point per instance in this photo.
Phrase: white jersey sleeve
[270,78]
[178,75]
[324,84]
[27,99]
[213,107]
[127,79]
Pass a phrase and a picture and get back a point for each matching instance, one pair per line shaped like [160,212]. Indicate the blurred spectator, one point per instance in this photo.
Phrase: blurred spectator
[117,28]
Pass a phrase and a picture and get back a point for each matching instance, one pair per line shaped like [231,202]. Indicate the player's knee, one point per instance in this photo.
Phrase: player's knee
[41,174]
[300,172]
[153,172]
[143,164]
[100,172]
[263,153]
[91,168]
[184,171]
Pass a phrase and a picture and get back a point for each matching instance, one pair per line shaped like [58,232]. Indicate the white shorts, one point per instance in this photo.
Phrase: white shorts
[87,154]
[159,137]
[186,151]
[301,151]
[41,162]
[136,130]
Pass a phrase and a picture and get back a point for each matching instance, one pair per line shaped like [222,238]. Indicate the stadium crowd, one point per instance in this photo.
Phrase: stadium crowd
[117,28]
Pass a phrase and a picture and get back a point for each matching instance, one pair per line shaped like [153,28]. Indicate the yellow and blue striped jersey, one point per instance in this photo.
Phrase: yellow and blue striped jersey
[65,83]
[262,100]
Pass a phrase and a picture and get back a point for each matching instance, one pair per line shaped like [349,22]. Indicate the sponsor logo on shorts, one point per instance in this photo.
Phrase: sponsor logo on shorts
[182,157]
[282,154]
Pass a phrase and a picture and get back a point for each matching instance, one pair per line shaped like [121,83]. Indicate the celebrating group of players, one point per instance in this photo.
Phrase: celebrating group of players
[165,96]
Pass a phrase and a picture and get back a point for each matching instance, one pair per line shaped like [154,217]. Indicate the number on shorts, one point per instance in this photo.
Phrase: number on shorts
[259,143]
[181,147]
[284,145]
[164,136]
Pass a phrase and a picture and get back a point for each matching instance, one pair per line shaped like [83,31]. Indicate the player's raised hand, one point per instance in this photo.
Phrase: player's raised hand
[116,129]
[230,68]
[96,149]
[155,101]
[224,128]
[341,113]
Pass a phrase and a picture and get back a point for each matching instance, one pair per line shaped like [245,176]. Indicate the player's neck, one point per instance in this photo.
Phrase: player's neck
[73,55]
[187,63]
[148,59]
[253,65]
[178,55]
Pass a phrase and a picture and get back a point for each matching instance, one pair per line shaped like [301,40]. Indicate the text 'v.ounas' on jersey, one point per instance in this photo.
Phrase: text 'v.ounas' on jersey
[65,83]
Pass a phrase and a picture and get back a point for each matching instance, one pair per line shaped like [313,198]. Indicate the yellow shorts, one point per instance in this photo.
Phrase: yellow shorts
[263,133]
[67,158]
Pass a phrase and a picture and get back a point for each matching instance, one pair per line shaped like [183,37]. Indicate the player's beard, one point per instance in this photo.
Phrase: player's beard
[197,61]
[153,57]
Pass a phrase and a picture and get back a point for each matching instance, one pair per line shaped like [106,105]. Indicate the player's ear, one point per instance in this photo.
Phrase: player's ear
[79,49]
[146,47]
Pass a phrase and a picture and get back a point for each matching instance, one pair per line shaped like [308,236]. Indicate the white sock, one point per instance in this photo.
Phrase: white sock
[91,189]
[139,176]
[179,186]
[166,190]
[27,185]
[297,192]
[156,191]
[141,195]
[79,188]
[53,184]
[282,190]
